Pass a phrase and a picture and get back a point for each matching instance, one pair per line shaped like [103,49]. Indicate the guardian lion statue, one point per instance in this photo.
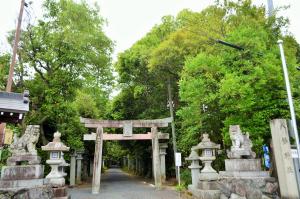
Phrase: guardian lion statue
[25,145]
[241,143]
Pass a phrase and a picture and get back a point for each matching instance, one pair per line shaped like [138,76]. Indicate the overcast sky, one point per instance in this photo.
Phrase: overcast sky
[129,20]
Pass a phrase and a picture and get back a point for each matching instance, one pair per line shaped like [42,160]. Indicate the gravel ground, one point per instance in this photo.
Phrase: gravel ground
[115,184]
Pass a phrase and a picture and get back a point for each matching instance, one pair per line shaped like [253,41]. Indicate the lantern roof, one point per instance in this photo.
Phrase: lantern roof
[193,156]
[206,143]
[56,144]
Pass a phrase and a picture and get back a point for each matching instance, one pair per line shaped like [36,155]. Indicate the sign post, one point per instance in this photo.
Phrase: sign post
[178,165]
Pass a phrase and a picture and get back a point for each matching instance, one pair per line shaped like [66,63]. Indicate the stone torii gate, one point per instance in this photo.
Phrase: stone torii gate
[127,126]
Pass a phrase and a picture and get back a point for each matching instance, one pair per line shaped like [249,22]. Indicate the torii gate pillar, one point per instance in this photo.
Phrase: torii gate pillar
[156,158]
[97,161]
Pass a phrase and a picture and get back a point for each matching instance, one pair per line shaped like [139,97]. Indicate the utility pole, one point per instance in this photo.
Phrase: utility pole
[270,8]
[12,64]
[170,103]
[15,48]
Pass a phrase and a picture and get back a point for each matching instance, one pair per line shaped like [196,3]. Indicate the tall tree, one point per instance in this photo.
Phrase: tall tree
[68,51]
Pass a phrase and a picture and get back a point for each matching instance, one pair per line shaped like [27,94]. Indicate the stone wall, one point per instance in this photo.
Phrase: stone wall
[248,188]
[44,192]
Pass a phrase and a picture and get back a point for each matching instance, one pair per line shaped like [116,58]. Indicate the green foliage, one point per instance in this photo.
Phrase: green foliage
[71,59]
[5,153]
[180,187]
[238,87]
[4,67]
[213,85]
[114,151]
[185,178]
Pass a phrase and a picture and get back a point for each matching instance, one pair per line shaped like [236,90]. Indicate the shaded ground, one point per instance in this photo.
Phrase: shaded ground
[115,184]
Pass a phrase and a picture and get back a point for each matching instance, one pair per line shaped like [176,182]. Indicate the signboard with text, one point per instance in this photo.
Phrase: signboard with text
[178,159]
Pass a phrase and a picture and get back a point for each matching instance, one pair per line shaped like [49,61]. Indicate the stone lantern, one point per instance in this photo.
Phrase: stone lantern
[207,186]
[208,155]
[195,167]
[56,161]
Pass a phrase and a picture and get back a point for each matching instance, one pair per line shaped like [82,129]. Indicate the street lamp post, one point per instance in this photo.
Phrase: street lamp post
[289,94]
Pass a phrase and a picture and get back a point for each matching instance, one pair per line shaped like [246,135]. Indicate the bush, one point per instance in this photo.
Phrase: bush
[185,177]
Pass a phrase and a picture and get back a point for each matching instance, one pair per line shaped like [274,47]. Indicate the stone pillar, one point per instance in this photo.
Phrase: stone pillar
[124,162]
[195,168]
[136,170]
[73,169]
[79,161]
[162,153]
[97,161]
[140,166]
[156,159]
[91,166]
[128,161]
[284,162]
[85,167]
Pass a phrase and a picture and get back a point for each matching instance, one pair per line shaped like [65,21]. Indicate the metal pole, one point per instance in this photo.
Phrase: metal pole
[289,94]
[172,124]
[178,168]
[270,8]
[12,65]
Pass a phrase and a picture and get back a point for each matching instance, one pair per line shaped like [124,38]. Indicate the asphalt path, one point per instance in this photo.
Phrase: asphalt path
[116,184]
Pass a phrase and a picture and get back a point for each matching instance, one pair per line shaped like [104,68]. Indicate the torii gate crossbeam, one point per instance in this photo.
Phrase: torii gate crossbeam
[127,126]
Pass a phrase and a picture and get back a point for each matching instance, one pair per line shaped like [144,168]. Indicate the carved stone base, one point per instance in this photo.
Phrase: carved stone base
[240,153]
[22,172]
[256,188]
[17,159]
[244,174]
[16,185]
[204,185]
[209,176]
[40,192]
[243,165]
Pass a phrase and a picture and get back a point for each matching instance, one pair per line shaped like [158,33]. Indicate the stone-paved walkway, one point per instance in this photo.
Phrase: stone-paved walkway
[115,184]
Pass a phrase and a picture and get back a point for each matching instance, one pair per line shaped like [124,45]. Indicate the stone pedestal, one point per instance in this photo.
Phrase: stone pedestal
[205,190]
[25,180]
[242,164]
[18,159]
[23,172]
[243,176]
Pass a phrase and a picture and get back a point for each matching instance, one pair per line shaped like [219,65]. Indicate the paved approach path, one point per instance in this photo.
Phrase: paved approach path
[115,184]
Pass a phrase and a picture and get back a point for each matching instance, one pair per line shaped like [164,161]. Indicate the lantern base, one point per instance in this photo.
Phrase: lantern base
[205,194]
[208,176]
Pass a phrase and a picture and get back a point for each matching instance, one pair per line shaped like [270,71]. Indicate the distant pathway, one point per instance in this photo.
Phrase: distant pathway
[115,184]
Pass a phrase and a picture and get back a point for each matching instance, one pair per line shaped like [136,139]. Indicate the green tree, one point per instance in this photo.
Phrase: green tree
[71,57]
[4,67]
[238,87]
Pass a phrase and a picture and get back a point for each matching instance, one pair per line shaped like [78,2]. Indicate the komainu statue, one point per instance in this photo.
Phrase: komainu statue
[25,145]
[241,144]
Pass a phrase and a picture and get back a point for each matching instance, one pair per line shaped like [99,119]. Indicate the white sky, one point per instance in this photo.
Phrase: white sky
[129,20]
